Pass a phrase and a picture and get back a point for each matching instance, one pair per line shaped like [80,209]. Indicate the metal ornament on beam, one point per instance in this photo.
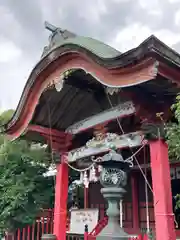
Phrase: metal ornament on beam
[112,90]
[121,110]
[94,147]
[58,81]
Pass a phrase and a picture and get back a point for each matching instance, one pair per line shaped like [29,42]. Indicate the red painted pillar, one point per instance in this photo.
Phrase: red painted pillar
[135,205]
[61,194]
[160,168]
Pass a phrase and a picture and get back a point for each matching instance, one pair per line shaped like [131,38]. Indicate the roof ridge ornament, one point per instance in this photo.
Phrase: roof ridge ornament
[57,30]
[57,35]
[50,27]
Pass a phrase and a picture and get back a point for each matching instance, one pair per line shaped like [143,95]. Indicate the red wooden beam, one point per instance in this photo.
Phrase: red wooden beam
[169,73]
[58,140]
[47,131]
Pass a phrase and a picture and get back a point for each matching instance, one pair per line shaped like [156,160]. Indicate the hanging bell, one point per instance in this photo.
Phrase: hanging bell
[94,177]
[81,178]
[91,175]
[86,180]
[100,168]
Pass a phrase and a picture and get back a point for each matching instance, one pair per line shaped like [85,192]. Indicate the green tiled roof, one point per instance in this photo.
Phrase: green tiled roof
[96,47]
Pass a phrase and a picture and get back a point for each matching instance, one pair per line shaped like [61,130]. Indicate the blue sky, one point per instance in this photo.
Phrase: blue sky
[121,23]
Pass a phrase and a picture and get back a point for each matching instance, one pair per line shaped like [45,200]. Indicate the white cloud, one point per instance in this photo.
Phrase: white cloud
[155,12]
[177,18]
[152,7]
[149,5]
[130,37]
[134,34]
[12,81]
[8,51]
[168,37]
[22,38]
[174,1]
[93,10]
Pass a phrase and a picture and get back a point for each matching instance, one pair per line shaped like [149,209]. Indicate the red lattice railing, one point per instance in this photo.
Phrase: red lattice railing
[143,215]
[44,224]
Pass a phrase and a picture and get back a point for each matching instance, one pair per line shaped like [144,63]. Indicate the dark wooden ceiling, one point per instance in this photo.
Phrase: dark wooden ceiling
[83,96]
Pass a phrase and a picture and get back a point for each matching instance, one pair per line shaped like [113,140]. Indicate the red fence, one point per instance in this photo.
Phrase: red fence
[143,215]
[44,224]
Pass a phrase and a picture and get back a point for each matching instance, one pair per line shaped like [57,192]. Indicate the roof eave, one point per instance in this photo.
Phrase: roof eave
[152,47]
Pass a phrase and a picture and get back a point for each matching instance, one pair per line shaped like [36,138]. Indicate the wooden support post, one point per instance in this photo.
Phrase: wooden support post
[135,202]
[61,195]
[86,197]
[160,167]
[9,236]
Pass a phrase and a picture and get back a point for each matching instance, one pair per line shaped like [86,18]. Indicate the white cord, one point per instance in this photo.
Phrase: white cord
[79,170]
[147,199]
[88,168]
[147,182]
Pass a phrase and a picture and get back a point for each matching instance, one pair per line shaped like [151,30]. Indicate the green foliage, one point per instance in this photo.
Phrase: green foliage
[177,198]
[173,132]
[6,116]
[77,195]
[24,191]
[173,139]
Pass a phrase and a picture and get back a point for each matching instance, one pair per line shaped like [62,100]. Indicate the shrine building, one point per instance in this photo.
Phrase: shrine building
[98,108]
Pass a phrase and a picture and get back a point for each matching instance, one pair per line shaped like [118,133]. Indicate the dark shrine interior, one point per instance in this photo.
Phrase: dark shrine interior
[82,96]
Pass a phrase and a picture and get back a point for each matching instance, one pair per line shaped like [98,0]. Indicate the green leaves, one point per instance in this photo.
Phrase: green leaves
[173,132]
[173,139]
[24,191]
[6,116]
